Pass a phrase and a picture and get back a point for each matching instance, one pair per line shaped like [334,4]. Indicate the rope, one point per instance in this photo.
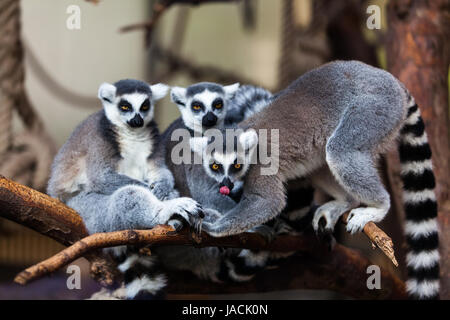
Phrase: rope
[287,44]
[25,157]
[10,71]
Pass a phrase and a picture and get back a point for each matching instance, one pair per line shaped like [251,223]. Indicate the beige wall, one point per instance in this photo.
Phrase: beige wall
[215,36]
[80,60]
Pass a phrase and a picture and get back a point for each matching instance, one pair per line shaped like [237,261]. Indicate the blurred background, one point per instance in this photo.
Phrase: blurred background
[54,72]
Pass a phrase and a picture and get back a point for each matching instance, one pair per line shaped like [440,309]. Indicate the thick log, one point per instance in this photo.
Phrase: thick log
[418,54]
[40,212]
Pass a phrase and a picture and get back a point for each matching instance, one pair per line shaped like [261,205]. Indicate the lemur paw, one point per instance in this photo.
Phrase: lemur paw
[188,209]
[324,220]
[359,217]
[163,190]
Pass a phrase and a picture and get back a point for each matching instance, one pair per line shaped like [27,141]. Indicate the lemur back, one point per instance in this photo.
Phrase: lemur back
[334,122]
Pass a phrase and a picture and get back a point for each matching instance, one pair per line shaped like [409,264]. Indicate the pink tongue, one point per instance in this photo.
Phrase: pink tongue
[224,190]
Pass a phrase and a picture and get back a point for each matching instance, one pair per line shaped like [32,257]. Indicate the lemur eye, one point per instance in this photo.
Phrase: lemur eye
[145,105]
[215,166]
[125,108]
[237,166]
[196,107]
[218,104]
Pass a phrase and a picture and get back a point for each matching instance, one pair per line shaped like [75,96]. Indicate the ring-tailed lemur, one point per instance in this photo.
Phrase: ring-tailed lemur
[212,263]
[108,172]
[334,122]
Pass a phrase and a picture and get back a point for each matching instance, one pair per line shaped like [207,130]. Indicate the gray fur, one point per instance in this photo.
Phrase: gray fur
[107,169]
[247,101]
[338,117]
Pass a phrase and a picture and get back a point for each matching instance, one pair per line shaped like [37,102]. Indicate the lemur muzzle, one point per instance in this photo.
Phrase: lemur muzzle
[209,119]
[136,122]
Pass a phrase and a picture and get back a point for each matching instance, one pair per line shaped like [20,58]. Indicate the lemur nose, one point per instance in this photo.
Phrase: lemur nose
[136,122]
[209,119]
[227,183]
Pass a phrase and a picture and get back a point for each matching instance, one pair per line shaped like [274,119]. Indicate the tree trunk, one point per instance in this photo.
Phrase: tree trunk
[418,54]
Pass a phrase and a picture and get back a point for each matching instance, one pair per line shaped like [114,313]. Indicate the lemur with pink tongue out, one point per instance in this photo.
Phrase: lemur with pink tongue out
[211,106]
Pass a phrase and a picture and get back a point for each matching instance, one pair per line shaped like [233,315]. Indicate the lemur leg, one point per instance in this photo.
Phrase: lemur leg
[328,214]
[131,207]
[350,154]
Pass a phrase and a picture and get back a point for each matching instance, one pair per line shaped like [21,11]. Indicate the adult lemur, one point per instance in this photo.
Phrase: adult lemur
[108,172]
[192,180]
[333,123]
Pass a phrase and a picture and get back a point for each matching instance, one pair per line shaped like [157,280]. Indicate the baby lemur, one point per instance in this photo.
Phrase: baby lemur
[334,122]
[108,172]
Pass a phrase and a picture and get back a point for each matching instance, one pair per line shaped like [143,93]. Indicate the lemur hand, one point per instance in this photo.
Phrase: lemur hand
[163,190]
[186,208]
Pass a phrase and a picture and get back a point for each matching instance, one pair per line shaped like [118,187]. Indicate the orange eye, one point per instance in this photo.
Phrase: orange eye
[237,166]
[215,166]
[219,106]
[145,107]
[125,108]
[196,107]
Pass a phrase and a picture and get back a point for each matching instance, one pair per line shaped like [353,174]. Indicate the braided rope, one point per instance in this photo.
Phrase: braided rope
[10,69]
[27,156]
[287,44]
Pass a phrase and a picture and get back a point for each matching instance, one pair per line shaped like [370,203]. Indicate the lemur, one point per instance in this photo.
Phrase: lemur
[220,195]
[334,122]
[108,172]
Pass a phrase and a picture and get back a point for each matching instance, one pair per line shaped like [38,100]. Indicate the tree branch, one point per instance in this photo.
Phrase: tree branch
[54,219]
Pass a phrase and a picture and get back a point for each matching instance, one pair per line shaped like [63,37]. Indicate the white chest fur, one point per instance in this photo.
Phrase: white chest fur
[134,149]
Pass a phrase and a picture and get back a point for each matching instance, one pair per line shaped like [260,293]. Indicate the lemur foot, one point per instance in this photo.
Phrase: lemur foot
[359,217]
[327,215]
[187,208]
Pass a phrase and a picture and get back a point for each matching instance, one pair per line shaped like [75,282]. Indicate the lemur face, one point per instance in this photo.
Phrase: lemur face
[130,103]
[227,168]
[203,105]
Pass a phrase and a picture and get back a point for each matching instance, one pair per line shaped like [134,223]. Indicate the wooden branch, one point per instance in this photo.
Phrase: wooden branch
[52,218]
[164,235]
[40,212]
[378,238]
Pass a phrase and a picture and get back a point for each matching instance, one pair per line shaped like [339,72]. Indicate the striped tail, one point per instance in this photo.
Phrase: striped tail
[420,208]
[142,275]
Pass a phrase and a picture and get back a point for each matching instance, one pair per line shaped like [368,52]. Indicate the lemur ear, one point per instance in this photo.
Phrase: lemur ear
[198,144]
[106,92]
[159,91]
[231,90]
[248,139]
[178,95]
